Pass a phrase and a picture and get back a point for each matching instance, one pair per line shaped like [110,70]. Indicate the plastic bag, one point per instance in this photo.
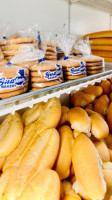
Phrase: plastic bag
[45,73]
[94,64]
[72,68]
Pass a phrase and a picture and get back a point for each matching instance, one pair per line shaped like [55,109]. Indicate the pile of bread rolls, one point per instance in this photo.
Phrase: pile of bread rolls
[53,152]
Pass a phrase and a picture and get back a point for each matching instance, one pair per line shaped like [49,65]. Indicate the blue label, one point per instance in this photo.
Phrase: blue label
[66,58]
[4,37]
[42,59]
[39,38]
[79,70]
[13,82]
[49,75]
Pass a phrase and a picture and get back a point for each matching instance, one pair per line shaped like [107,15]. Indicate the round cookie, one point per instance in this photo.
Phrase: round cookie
[8,58]
[47,65]
[16,46]
[27,64]
[92,58]
[70,63]
[95,71]
[45,84]
[18,41]
[14,93]
[72,77]
[94,68]
[50,49]
[42,79]
[50,57]
[12,78]
[38,73]
[3,62]
[10,52]
[94,63]
[49,53]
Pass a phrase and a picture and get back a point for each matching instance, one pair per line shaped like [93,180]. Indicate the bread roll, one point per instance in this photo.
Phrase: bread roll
[64,115]
[88,169]
[79,120]
[72,179]
[108,140]
[32,114]
[106,86]
[45,185]
[101,105]
[95,90]
[11,131]
[64,159]
[100,34]
[99,127]
[75,95]
[71,171]
[110,152]
[110,96]
[91,112]
[67,188]
[71,197]
[109,116]
[103,151]
[84,99]
[107,171]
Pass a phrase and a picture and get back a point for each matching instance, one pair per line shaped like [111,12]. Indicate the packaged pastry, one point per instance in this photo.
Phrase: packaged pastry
[72,68]
[45,73]
[94,64]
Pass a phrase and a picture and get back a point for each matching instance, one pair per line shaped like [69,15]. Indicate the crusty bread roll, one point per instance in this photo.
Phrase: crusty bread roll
[110,152]
[110,96]
[88,169]
[103,151]
[79,120]
[67,188]
[11,131]
[75,95]
[44,185]
[32,114]
[84,99]
[89,106]
[109,116]
[107,171]
[100,34]
[71,197]
[106,86]
[108,140]
[95,90]
[64,115]
[101,105]
[72,170]
[99,127]
[76,133]
[64,158]
[91,112]
[72,179]
[2,161]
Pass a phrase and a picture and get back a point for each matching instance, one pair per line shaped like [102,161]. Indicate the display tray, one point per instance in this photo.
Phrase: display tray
[10,105]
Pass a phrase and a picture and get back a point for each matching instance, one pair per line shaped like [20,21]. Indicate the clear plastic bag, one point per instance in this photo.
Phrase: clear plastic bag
[72,67]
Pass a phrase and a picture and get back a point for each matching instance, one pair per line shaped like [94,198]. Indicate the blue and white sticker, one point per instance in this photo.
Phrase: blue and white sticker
[20,80]
[79,70]
[49,75]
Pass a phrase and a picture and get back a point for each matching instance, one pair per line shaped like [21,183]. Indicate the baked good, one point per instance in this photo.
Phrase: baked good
[102,53]
[45,84]
[67,188]
[64,115]
[101,47]
[13,78]
[107,171]
[9,139]
[108,140]
[109,116]
[103,151]
[64,158]
[16,46]
[3,62]
[107,59]
[101,105]
[71,197]
[2,161]
[100,34]
[84,99]
[95,90]
[99,127]
[89,106]
[17,41]
[76,133]
[73,69]
[79,120]
[110,152]
[106,86]
[88,169]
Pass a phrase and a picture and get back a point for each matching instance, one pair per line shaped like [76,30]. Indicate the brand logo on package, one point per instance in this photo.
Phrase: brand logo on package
[13,82]
[79,70]
[49,75]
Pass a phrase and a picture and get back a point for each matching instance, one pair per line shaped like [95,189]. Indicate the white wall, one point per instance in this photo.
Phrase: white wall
[49,14]
[86,19]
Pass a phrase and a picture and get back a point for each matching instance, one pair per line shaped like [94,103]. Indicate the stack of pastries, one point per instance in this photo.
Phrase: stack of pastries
[54,152]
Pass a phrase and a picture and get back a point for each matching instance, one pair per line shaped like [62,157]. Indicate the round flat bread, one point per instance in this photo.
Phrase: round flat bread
[67,77]
[16,46]
[94,67]
[17,41]
[70,63]
[3,62]
[95,63]
[10,52]
[50,49]
[50,57]
[39,73]
[14,93]
[44,66]
[8,58]
[42,79]
[45,84]
[95,71]
[92,58]
[50,53]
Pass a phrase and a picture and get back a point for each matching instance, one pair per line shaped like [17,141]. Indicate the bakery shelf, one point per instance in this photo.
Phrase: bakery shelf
[13,104]
[103,5]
